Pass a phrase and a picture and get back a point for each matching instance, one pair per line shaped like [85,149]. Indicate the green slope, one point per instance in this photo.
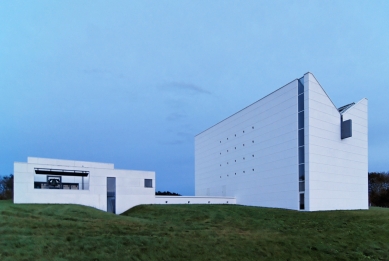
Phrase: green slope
[190,232]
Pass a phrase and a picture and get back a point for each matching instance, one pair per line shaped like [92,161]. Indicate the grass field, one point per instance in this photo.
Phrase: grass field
[190,232]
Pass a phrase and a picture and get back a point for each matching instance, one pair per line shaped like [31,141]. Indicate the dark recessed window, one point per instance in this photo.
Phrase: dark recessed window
[253,169]
[220,165]
[243,158]
[253,155]
[244,171]
[253,141]
[220,153]
[220,141]
[302,201]
[301,137]
[301,120]
[188,202]
[235,173]
[243,131]
[220,176]
[243,144]
[166,202]
[148,183]
[301,154]
[227,162]
[252,127]
[227,138]
[235,147]
[235,160]
[227,150]
[301,102]
[235,135]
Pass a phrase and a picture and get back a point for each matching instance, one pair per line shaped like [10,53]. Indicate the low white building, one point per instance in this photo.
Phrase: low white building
[98,185]
[292,149]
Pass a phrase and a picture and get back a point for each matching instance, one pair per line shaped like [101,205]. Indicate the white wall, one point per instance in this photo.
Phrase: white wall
[130,190]
[336,169]
[252,155]
[193,200]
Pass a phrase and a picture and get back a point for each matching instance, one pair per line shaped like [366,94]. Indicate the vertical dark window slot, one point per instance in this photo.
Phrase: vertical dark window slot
[301,155]
[302,199]
[111,195]
[301,102]
[301,142]
[301,137]
[301,186]
[301,172]
[301,120]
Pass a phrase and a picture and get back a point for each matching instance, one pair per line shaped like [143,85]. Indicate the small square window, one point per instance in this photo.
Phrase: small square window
[148,183]
[244,171]
[253,155]
[243,144]
[243,131]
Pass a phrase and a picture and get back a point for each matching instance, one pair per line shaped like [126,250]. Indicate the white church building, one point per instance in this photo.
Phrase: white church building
[292,149]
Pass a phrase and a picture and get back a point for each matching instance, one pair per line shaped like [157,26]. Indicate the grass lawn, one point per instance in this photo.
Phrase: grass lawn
[190,232]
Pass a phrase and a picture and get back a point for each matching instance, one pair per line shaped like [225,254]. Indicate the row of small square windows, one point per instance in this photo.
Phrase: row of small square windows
[235,134]
[235,173]
[235,147]
[235,160]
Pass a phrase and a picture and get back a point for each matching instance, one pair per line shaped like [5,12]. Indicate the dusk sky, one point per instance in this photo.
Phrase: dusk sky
[132,82]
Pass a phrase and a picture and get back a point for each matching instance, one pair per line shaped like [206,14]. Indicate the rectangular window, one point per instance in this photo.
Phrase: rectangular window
[111,195]
[301,155]
[301,172]
[301,120]
[302,199]
[301,186]
[148,183]
[301,137]
[301,102]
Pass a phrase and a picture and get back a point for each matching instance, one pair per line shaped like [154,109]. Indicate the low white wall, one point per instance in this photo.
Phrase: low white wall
[193,200]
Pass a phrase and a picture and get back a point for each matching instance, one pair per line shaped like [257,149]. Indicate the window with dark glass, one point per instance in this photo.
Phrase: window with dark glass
[148,183]
[111,195]
[302,199]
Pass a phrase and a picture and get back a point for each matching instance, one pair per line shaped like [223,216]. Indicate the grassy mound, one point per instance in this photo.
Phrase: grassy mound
[190,232]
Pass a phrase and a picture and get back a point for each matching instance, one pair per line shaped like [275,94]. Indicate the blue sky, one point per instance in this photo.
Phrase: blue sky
[132,82]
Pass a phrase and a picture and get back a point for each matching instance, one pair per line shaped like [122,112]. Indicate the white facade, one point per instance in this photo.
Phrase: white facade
[130,184]
[93,184]
[258,157]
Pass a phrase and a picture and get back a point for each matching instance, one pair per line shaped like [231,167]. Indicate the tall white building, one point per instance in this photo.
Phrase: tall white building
[292,149]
